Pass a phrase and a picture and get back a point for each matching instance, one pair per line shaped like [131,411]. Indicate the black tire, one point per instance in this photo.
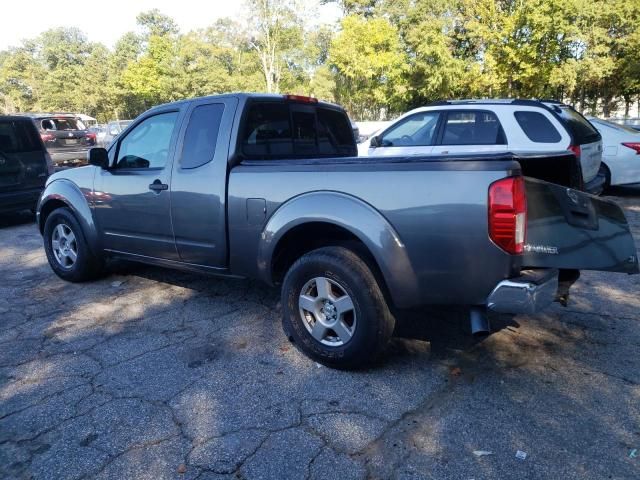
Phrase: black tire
[607,178]
[371,322]
[86,265]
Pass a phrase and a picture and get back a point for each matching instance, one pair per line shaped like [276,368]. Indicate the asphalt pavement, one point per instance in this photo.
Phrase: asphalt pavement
[154,374]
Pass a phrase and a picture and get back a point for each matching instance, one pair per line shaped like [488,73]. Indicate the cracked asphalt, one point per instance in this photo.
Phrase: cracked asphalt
[154,374]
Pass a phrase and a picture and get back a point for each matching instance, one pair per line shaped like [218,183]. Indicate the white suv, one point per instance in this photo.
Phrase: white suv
[484,126]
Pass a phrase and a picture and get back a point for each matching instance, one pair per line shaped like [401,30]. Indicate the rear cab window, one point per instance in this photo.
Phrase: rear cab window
[274,130]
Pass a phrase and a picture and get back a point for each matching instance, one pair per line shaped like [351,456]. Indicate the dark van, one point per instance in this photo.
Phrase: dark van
[24,164]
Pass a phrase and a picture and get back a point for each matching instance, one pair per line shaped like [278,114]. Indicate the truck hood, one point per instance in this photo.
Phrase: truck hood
[81,176]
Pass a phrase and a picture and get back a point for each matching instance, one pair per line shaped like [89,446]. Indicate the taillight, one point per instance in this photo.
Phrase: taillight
[50,168]
[508,214]
[575,149]
[92,137]
[301,98]
[633,146]
[47,137]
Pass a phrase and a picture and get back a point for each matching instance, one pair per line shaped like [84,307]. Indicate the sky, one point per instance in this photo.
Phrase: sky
[106,20]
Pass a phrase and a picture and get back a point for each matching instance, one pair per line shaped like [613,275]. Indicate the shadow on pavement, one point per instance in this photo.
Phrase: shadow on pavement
[13,219]
[152,373]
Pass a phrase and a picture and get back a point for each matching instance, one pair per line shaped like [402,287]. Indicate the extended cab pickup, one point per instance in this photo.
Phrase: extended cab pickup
[268,187]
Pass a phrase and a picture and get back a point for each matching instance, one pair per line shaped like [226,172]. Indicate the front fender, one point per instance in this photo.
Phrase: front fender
[357,217]
[63,191]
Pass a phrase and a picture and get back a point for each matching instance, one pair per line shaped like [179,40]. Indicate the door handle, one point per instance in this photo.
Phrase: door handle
[157,186]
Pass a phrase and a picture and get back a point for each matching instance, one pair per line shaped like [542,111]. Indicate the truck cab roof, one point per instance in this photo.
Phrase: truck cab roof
[243,96]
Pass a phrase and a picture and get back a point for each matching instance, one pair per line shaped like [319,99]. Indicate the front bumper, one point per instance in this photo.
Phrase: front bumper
[528,293]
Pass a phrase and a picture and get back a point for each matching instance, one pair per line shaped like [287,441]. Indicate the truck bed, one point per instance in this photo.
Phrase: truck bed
[437,207]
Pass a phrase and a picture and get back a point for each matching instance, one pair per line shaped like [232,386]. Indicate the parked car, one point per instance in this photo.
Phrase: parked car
[633,123]
[621,152]
[67,139]
[100,131]
[114,129]
[455,127]
[268,187]
[24,164]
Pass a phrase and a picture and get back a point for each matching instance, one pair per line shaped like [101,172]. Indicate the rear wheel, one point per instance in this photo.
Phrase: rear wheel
[334,310]
[66,247]
[607,178]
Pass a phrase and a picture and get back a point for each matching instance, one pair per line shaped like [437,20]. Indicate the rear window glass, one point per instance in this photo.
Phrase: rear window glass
[267,131]
[62,124]
[578,126]
[472,128]
[18,136]
[275,130]
[537,127]
[201,135]
[615,126]
[304,132]
[335,135]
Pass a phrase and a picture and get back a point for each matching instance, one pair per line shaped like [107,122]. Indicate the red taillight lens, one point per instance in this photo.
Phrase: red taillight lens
[508,214]
[91,136]
[633,146]
[301,99]
[575,149]
[47,137]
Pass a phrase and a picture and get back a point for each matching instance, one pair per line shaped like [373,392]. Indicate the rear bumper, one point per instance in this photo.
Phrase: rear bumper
[533,291]
[596,185]
[20,200]
[69,156]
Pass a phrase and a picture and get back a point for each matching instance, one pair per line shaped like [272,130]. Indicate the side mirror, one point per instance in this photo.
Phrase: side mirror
[375,141]
[98,157]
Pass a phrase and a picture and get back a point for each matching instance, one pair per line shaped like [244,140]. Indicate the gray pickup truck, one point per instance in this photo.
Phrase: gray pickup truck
[269,187]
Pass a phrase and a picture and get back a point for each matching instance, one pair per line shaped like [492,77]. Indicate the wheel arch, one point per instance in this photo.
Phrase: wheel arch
[63,193]
[319,219]
[608,174]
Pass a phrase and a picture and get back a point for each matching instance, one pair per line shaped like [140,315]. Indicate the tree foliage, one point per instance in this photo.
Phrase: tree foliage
[382,58]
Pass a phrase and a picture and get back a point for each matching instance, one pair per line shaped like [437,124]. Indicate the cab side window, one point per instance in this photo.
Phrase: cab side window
[147,145]
[201,135]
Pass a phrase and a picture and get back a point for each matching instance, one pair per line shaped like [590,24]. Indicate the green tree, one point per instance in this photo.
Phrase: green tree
[369,64]
[275,30]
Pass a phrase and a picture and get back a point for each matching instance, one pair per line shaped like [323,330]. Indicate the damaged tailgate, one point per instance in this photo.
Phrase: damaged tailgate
[570,229]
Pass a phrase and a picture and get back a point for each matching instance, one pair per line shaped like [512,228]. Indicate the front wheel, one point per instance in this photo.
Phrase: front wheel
[334,310]
[67,251]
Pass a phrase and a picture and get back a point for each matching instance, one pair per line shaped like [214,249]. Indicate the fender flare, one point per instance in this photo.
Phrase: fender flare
[63,190]
[355,216]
